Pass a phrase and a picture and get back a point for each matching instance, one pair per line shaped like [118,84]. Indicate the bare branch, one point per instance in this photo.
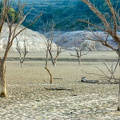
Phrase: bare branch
[28,25]
[98,13]
[113,14]
[92,25]
[13,33]
[101,71]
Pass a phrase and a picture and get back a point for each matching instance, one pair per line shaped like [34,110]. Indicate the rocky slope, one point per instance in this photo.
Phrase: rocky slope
[70,39]
[34,41]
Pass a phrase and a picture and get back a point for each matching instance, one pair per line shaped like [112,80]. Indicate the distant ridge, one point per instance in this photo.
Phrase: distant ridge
[68,39]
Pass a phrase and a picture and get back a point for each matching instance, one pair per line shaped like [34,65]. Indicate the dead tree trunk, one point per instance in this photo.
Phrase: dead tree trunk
[12,34]
[119,97]
[57,54]
[118,52]
[3,92]
[79,56]
[46,65]
[51,56]
[79,61]
[51,78]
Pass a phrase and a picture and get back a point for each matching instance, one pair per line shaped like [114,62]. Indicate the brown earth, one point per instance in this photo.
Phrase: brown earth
[29,100]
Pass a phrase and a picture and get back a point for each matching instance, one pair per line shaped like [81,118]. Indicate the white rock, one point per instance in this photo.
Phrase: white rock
[71,39]
[35,41]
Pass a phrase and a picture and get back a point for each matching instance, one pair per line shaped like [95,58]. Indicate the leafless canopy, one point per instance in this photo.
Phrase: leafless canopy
[13,32]
[110,28]
[22,51]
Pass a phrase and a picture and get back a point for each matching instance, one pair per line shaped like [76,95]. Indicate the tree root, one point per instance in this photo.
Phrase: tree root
[3,94]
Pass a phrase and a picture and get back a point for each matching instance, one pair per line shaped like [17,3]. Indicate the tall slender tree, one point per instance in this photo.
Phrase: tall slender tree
[12,34]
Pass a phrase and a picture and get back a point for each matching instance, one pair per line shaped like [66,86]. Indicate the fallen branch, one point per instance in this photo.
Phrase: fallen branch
[58,88]
[58,78]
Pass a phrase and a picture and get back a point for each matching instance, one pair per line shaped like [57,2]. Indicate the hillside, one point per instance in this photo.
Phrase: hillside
[35,41]
[65,14]
[72,39]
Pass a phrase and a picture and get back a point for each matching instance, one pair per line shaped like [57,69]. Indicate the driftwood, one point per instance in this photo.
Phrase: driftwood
[58,88]
[58,78]
[83,79]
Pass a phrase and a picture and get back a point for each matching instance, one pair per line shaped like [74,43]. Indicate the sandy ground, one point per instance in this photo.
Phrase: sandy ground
[28,98]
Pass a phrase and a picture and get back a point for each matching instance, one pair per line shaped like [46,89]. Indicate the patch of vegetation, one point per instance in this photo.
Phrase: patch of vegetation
[12,13]
[65,16]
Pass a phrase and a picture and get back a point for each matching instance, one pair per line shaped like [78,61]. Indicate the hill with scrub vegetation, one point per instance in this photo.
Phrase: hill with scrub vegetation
[65,14]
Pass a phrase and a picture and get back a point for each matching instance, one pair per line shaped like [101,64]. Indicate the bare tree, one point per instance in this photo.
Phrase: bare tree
[12,34]
[110,28]
[49,42]
[49,52]
[46,62]
[58,51]
[79,52]
[22,51]
[110,76]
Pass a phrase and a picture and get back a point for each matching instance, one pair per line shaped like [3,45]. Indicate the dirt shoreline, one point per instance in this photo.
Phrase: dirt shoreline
[64,59]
